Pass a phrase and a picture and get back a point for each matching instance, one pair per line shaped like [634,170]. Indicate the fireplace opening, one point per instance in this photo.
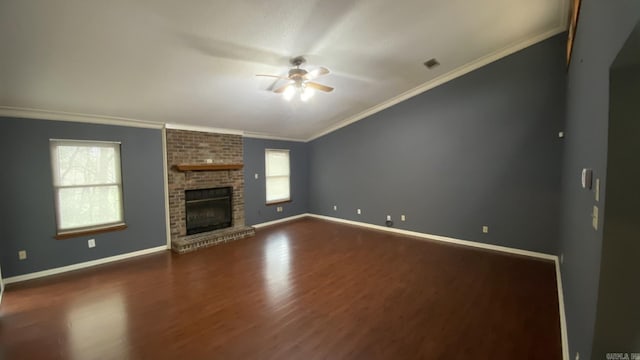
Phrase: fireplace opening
[208,209]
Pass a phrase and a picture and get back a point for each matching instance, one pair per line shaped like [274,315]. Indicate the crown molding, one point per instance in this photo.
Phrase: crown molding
[254,135]
[451,75]
[206,129]
[41,114]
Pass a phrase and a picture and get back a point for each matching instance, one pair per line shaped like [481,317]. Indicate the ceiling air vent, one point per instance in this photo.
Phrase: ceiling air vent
[431,63]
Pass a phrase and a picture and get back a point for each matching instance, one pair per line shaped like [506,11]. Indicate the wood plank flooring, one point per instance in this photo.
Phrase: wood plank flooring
[308,289]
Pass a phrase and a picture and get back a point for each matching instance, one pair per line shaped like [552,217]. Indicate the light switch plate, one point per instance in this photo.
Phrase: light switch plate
[594,216]
[91,243]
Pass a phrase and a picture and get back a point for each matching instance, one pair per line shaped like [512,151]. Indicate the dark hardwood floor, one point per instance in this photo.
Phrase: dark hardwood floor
[309,289]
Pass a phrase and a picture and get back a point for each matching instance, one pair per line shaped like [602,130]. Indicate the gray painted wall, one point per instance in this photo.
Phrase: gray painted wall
[603,27]
[256,211]
[27,214]
[479,150]
[618,314]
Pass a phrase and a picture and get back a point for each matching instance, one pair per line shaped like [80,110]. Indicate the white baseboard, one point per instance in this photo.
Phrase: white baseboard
[1,287]
[82,265]
[442,238]
[290,218]
[563,316]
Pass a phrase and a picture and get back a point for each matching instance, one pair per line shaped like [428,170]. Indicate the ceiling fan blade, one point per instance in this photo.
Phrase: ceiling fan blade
[315,73]
[320,87]
[228,50]
[273,85]
[273,76]
[282,88]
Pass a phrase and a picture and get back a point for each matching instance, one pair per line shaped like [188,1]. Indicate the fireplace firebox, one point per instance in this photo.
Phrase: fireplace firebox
[208,209]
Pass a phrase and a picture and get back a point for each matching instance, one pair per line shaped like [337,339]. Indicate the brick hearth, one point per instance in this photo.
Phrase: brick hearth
[192,147]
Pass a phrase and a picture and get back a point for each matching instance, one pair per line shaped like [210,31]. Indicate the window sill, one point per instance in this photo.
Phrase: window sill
[78,233]
[278,202]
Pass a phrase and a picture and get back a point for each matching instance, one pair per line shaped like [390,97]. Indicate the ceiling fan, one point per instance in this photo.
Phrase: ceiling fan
[299,81]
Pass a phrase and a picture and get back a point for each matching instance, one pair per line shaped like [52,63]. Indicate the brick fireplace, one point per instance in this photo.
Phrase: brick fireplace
[199,161]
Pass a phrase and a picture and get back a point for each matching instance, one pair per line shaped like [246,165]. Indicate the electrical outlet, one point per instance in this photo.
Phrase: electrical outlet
[388,217]
[335,207]
[485,229]
[279,209]
[594,217]
[91,243]
[561,134]
[403,218]
[22,255]
[359,211]
[256,176]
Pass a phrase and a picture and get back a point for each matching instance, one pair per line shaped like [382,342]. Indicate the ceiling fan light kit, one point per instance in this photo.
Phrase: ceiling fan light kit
[292,89]
[299,81]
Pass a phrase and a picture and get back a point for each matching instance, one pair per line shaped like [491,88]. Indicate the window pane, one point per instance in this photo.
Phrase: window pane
[277,163]
[277,188]
[88,206]
[87,164]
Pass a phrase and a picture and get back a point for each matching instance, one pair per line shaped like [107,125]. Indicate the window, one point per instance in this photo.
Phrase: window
[277,175]
[87,185]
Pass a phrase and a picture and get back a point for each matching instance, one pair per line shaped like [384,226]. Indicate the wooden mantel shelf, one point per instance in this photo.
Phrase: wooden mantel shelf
[208,167]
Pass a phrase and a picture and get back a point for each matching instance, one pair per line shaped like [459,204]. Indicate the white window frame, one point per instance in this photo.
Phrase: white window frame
[267,176]
[97,227]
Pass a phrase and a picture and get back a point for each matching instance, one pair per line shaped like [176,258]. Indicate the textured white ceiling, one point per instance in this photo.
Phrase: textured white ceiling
[194,62]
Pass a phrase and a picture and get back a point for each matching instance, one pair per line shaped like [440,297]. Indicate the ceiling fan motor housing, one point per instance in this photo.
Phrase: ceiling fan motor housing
[295,74]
